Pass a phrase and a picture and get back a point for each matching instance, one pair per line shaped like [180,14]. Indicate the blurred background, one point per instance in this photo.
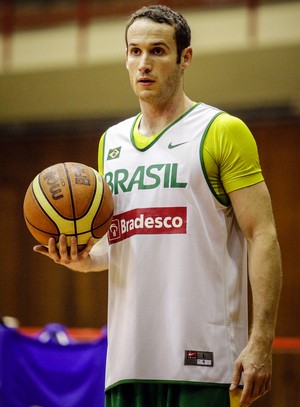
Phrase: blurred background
[63,82]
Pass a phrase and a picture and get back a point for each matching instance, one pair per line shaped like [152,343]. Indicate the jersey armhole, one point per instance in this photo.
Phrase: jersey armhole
[224,202]
[101,153]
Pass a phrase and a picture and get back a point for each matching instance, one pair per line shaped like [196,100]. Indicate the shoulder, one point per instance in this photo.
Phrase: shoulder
[124,125]
[228,133]
[232,125]
[122,128]
[230,149]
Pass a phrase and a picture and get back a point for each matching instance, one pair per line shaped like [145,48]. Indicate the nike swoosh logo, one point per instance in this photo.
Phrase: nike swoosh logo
[176,145]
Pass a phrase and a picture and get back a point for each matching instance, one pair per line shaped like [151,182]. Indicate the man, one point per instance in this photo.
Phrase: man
[191,206]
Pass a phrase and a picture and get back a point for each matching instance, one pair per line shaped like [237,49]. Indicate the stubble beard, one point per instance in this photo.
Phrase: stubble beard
[165,93]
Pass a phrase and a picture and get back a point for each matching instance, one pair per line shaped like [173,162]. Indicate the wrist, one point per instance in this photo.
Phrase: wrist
[264,339]
[97,262]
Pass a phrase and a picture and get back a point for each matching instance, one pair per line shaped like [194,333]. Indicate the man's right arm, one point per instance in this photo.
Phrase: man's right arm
[93,257]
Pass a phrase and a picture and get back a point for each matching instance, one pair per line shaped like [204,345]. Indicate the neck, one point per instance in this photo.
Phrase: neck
[155,118]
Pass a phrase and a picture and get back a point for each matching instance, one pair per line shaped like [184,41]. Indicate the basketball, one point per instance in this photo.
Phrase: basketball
[71,199]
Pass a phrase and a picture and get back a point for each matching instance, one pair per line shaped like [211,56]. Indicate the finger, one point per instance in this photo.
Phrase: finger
[246,397]
[73,247]
[52,249]
[84,253]
[236,377]
[63,248]
[88,247]
[265,387]
[253,389]
[268,385]
[257,391]
[247,391]
[41,249]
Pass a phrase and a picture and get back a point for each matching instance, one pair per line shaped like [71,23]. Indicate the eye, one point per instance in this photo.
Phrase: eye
[158,51]
[134,51]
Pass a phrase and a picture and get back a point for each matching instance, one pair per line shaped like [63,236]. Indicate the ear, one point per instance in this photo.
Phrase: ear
[186,57]
[126,58]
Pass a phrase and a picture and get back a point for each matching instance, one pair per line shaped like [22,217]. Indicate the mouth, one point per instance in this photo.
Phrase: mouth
[145,81]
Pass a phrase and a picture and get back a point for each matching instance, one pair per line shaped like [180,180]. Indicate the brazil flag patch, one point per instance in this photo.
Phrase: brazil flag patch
[114,153]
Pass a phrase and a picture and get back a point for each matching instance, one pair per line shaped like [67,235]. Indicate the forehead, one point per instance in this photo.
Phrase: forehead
[146,31]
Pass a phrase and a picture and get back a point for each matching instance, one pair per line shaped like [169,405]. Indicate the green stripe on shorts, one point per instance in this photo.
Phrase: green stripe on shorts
[142,394]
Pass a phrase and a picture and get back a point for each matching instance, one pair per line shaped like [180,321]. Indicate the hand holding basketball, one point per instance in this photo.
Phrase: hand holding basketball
[70,256]
[67,208]
[69,199]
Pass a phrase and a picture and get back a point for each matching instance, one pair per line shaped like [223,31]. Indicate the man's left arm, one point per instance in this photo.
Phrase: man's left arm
[253,210]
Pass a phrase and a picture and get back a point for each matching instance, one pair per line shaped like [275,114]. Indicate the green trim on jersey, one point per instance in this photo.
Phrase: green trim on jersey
[101,148]
[158,136]
[228,154]
[226,201]
[166,382]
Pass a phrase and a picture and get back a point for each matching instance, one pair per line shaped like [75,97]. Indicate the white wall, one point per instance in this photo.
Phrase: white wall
[49,78]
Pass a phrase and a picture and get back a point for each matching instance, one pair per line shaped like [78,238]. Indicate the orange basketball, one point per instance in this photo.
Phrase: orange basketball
[71,199]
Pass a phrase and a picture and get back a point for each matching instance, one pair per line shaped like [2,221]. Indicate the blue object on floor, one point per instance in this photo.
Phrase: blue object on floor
[49,373]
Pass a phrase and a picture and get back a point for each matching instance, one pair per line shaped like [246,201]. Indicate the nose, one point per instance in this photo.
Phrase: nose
[145,63]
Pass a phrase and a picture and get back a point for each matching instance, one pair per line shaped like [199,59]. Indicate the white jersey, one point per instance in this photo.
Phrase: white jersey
[177,273]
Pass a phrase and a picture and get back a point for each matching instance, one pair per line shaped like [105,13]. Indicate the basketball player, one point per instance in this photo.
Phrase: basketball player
[192,217]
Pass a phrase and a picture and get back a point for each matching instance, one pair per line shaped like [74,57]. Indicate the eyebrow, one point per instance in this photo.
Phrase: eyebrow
[154,44]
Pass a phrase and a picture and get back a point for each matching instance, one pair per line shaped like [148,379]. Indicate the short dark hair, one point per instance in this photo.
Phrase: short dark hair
[164,15]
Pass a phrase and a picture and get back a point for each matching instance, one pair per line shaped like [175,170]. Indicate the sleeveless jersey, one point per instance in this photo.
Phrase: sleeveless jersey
[177,260]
